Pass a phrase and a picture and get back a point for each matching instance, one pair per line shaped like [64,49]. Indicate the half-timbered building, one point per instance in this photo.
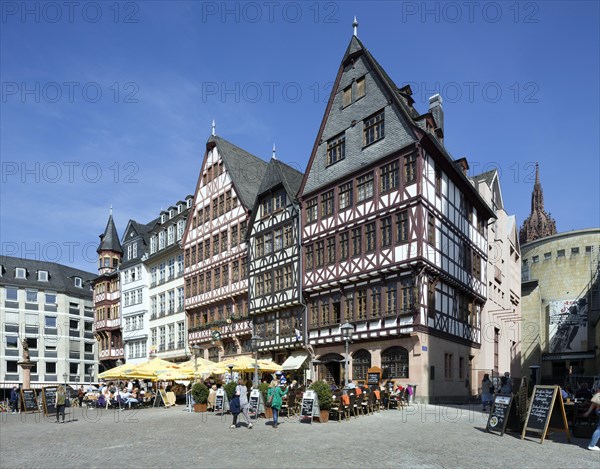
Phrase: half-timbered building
[275,279]
[215,255]
[107,299]
[393,236]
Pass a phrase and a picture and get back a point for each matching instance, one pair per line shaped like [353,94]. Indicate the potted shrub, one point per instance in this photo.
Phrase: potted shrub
[325,396]
[264,391]
[200,395]
[230,389]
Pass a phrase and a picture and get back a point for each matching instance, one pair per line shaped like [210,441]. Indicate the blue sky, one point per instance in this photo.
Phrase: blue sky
[111,104]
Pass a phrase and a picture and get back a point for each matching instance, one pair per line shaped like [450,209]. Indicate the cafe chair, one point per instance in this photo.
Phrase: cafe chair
[341,406]
[377,399]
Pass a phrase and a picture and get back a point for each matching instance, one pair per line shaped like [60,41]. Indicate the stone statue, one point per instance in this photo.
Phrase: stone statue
[26,356]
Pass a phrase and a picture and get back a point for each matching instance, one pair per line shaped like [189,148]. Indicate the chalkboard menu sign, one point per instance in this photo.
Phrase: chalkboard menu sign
[546,410]
[310,406]
[29,400]
[220,401]
[373,379]
[254,403]
[503,409]
[49,399]
[373,376]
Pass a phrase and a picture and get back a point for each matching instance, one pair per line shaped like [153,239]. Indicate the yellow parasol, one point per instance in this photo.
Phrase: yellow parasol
[245,363]
[115,373]
[151,369]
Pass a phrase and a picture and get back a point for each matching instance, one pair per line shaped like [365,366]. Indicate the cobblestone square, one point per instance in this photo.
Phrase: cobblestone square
[418,436]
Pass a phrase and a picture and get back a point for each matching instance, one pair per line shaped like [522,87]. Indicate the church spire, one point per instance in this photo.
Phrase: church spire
[539,224]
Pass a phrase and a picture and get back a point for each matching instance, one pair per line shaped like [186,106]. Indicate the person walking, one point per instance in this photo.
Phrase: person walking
[593,446]
[14,399]
[486,391]
[61,400]
[275,395]
[241,391]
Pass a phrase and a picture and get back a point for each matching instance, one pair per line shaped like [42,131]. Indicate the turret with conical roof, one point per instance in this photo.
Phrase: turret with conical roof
[109,250]
[539,224]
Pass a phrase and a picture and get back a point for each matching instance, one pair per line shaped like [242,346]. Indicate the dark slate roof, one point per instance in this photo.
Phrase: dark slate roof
[144,229]
[245,169]
[486,177]
[277,173]
[60,277]
[109,240]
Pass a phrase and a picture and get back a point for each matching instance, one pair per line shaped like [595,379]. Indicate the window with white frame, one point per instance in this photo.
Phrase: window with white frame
[180,228]
[153,244]
[42,276]
[50,298]
[12,293]
[20,272]
[161,240]
[31,296]
[171,235]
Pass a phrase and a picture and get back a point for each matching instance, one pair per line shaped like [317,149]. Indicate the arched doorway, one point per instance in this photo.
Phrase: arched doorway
[329,368]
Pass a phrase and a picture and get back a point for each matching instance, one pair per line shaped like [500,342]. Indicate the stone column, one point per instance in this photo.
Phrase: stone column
[27,365]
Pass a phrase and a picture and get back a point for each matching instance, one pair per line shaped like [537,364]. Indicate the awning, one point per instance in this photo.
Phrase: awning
[295,361]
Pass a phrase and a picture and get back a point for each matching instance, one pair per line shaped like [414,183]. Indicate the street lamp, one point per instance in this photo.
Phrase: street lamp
[90,372]
[230,372]
[347,329]
[255,342]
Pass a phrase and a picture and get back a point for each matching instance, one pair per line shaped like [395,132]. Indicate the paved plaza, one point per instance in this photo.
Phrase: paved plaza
[418,436]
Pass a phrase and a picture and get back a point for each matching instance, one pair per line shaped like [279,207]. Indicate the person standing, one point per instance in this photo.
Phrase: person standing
[61,399]
[486,391]
[276,393]
[14,399]
[593,445]
[80,395]
[241,391]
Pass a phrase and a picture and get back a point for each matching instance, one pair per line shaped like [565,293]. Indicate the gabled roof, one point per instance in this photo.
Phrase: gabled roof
[277,173]
[245,169]
[109,240]
[61,278]
[401,98]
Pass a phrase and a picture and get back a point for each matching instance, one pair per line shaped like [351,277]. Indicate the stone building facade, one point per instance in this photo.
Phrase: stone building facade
[560,305]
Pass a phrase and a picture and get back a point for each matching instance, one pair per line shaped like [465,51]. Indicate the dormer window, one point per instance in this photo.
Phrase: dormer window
[189,203]
[163,218]
[171,213]
[42,276]
[20,272]
[179,208]
[78,281]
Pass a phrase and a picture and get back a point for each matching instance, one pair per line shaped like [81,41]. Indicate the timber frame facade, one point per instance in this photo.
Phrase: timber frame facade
[215,254]
[275,278]
[394,237]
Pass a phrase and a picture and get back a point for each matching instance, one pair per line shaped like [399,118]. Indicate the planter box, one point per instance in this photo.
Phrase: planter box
[199,407]
[324,416]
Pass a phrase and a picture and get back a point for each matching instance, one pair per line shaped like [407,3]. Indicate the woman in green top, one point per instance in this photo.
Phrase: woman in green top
[277,393]
[61,399]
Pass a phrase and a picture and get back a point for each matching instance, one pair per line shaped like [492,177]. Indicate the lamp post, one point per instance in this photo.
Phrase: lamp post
[255,341]
[346,329]
[90,372]
[230,372]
